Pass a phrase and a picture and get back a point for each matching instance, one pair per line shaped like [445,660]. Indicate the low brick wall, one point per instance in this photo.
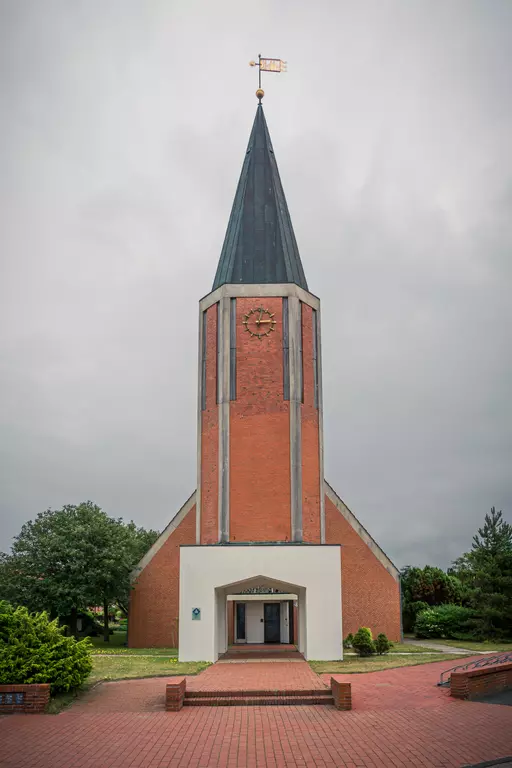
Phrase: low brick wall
[174,694]
[474,683]
[342,694]
[24,698]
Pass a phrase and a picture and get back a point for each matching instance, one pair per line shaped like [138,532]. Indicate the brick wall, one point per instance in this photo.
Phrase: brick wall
[475,683]
[259,434]
[154,603]
[370,595]
[29,699]
[210,438]
[310,437]
[175,694]
[342,694]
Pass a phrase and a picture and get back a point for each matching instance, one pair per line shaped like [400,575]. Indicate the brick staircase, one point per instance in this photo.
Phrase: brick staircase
[257,698]
[177,695]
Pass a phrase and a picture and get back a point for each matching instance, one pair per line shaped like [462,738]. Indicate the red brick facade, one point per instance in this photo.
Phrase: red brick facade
[370,595]
[154,601]
[259,434]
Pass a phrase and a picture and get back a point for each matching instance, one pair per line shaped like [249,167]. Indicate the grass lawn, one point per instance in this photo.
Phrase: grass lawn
[407,648]
[116,645]
[116,641]
[472,645]
[353,664]
[122,667]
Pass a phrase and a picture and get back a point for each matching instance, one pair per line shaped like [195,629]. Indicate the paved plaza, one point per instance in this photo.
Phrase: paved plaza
[399,719]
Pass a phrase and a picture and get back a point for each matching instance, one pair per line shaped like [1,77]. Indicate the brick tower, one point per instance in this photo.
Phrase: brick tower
[264,550]
[260,475]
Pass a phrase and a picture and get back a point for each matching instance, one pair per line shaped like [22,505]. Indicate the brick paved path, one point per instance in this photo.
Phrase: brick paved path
[400,720]
[284,676]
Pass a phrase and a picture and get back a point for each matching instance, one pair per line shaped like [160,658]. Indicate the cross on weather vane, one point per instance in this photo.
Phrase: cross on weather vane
[267,65]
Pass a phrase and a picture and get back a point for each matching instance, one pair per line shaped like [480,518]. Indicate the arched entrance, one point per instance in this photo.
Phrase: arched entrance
[260,610]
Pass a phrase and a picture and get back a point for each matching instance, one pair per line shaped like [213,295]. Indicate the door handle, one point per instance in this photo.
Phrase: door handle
[261,619]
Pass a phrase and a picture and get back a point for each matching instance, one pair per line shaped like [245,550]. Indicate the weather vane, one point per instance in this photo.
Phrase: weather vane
[266,65]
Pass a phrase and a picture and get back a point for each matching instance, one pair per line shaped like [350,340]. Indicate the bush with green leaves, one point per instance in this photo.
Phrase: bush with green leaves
[445,621]
[382,644]
[34,649]
[347,643]
[363,642]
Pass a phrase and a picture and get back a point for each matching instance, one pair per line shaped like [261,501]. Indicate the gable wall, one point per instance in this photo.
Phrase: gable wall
[154,602]
[370,594]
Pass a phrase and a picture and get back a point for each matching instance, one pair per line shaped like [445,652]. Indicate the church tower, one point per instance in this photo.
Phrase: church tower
[260,457]
[264,550]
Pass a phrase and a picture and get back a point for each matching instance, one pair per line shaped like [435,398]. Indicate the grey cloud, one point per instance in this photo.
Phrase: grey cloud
[121,140]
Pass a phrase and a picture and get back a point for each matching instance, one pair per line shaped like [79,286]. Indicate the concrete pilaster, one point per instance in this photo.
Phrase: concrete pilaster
[223,405]
[320,424]
[294,330]
[199,425]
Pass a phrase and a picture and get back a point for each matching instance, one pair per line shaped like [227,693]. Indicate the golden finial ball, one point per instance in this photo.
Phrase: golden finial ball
[260,93]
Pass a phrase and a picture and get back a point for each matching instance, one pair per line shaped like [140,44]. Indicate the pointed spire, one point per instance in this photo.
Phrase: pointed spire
[260,245]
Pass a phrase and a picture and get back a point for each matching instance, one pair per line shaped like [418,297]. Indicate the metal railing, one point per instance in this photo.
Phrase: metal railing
[484,661]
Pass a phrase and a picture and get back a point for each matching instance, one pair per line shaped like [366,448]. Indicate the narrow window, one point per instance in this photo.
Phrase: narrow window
[286,352]
[315,356]
[232,350]
[301,356]
[240,621]
[203,362]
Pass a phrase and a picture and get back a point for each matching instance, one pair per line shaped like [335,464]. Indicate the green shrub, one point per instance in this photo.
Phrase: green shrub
[409,613]
[445,621]
[347,643]
[34,649]
[382,644]
[363,642]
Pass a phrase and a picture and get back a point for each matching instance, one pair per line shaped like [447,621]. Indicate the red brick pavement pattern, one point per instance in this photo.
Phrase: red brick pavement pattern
[123,725]
[400,687]
[250,737]
[257,676]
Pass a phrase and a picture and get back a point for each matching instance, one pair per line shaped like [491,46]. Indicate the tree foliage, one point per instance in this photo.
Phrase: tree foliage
[424,587]
[486,571]
[71,558]
[453,622]
[34,649]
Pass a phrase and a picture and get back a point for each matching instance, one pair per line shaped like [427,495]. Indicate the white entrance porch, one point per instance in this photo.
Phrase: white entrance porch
[213,578]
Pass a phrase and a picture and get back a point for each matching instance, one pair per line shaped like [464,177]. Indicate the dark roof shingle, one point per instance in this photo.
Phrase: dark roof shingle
[260,245]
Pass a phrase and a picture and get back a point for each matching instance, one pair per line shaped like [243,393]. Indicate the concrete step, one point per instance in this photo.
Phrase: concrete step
[250,700]
[265,693]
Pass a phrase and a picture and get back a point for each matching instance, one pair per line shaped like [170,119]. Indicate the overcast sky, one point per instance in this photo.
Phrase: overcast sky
[123,128]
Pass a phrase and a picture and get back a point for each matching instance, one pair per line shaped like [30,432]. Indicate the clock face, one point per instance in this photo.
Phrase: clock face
[259,322]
